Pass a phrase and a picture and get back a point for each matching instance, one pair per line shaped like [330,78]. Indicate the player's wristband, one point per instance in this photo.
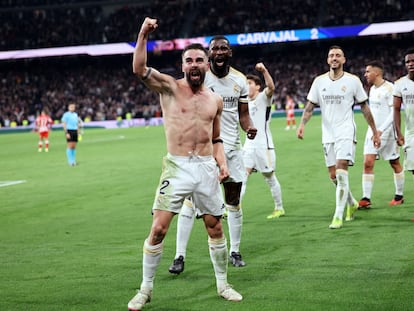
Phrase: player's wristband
[215,141]
[147,74]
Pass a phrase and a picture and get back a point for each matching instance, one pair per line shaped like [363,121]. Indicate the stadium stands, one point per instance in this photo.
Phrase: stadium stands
[105,88]
[45,23]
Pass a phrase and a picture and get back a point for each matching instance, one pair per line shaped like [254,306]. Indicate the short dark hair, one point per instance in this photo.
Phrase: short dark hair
[336,47]
[409,51]
[219,37]
[376,63]
[195,46]
[255,78]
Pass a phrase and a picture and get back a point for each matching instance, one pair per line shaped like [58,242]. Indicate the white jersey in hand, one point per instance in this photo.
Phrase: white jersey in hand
[260,113]
[404,88]
[232,88]
[336,99]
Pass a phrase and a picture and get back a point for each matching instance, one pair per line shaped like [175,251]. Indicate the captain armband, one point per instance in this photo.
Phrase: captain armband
[147,74]
[215,141]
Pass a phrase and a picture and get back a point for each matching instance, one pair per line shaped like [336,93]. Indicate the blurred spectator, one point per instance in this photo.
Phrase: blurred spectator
[47,23]
[105,88]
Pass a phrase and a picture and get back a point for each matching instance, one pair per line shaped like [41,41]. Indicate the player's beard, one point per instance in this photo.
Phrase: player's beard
[195,82]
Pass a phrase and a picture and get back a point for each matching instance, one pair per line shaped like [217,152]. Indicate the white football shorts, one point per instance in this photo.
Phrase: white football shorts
[261,159]
[195,176]
[389,149]
[343,149]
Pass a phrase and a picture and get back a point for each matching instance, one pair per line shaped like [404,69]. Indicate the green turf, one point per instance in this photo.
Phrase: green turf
[71,237]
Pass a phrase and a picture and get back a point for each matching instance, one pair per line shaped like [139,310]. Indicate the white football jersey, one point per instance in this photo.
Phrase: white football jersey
[381,105]
[260,113]
[232,88]
[336,99]
[404,88]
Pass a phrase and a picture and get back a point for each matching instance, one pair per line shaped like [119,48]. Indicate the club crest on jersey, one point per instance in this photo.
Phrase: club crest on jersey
[343,88]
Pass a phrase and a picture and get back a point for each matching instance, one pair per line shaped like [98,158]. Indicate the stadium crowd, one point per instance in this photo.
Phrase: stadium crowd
[104,88]
[45,23]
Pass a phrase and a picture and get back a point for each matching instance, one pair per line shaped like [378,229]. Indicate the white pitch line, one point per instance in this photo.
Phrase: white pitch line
[11,183]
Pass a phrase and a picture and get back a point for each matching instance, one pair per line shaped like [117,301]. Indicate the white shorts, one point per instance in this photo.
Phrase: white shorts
[193,176]
[389,149]
[408,149]
[261,159]
[236,167]
[343,149]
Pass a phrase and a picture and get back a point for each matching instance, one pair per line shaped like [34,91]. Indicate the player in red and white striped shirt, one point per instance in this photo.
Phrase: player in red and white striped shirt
[43,124]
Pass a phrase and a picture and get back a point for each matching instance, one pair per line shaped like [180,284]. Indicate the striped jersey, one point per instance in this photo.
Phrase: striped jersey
[43,123]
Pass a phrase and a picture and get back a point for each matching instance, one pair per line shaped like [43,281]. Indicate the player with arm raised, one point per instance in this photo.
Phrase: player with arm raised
[259,153]
[231,85]
[192,128]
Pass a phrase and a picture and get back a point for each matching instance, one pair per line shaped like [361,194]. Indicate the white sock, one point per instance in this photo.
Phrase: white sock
[275,190]
[342,190]
[399,180]
[350,200]
[150,260]
[367,185]
[185,224]
[243,190]
[219,258]
[235,221]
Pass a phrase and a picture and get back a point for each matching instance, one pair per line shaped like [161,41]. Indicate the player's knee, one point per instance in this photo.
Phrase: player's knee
[268,175]
[158,233]
[215,233]
[233,201]
[233,197]
[369,165]
[213,226]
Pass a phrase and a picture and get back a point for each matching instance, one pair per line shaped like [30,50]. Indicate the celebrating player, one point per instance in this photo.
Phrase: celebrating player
[336,92]
[231,85]
[192,127]
[381,105]
[259,153]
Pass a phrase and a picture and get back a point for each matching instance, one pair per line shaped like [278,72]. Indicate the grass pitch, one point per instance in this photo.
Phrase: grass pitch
[71,237]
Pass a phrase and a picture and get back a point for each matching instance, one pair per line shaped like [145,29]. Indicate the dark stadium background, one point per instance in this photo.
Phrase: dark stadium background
[105,88]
